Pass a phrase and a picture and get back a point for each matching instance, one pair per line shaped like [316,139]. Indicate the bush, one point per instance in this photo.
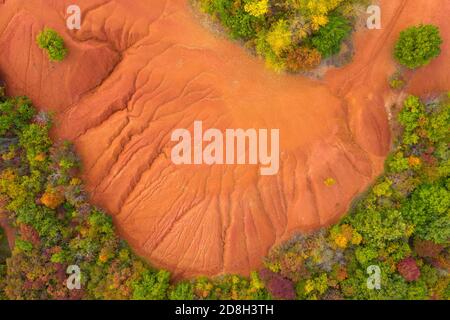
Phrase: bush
[418,45]
[53,43]
[396,81]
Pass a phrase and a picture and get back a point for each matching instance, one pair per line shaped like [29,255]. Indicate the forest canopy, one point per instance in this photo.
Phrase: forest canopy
[293,35]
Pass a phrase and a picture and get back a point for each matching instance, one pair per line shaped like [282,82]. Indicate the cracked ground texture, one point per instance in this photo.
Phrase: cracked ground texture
[139,69]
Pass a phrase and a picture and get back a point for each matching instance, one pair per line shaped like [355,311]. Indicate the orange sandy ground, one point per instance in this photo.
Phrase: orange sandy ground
[139,69]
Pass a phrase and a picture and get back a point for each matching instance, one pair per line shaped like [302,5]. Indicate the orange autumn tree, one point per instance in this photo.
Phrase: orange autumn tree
[52,198]
[303,59]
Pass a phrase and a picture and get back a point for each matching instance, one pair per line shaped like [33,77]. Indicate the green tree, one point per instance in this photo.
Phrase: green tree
[153,285]
[429,211]
[329,38]
[418,45]
[182,291]
[53,43]
[240,23]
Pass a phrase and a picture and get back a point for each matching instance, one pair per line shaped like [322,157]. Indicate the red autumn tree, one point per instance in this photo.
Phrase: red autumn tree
[427,249]
[278,287]
[408,269]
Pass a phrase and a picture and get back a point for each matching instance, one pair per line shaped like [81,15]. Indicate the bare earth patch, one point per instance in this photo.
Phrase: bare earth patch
[139,69]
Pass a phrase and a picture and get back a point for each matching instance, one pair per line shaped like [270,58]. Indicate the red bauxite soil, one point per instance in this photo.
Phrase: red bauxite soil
[139,69]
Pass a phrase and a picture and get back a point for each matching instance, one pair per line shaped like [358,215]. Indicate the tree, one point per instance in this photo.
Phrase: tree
[257,8]
[36,141]
[418,45]
[428,210]
[427,249]
[239,22]
[278,287]
[329,38]
[52,198]
[152,286]
[15,113]
[276,28]
[303,59]
[182,291]
[408,269]
[279,37]
[53,43]
[413,110]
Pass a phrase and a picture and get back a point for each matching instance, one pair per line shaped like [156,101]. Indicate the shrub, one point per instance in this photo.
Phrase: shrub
[418,45]
[53,43]
[396,81]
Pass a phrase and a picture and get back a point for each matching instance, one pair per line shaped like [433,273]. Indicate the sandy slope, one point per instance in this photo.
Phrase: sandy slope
[139,69]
